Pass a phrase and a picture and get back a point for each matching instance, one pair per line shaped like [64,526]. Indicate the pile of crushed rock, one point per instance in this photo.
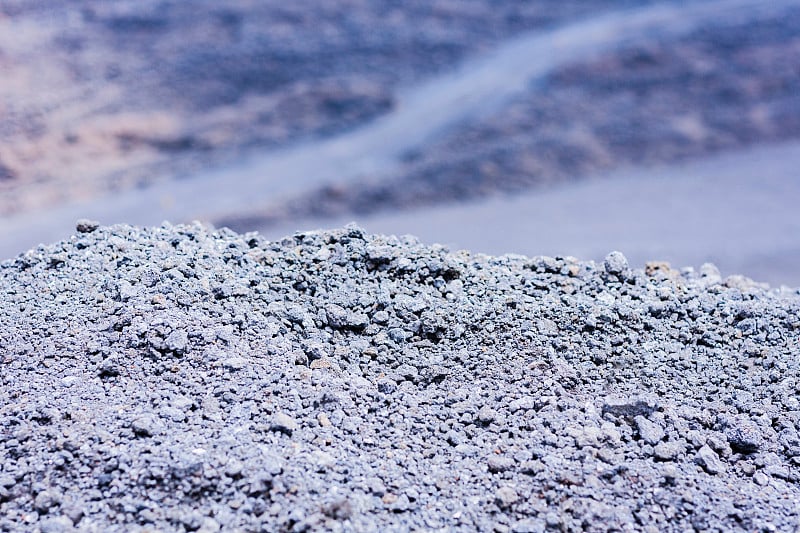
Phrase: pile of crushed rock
[183,378]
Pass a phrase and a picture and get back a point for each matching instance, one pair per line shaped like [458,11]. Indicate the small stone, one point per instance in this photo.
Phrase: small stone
[339,317]
[499,463]
[235,364]
[386,385]
[315,349]
[234,469]
[505,497]
[209,525]
[69,381]
[401,504]
[719,444]
[709,460]
[486,415]
[616,264]
[375,486]
[670,473]
[710,273]
[177,341]
[667,451]
[650,432]
[109,368]
[524,403]
[44,501]
[127,290]
[260,484]
[651,267]
[145,426]
[323,420]
[454,438]
[173,414]
[552,519]
[322,460]
[398,335]
[380,317]
[85,225]
[192,521]
[760,478]
[284,423]
[544,263]
[182,402]
[532,468]
[744,436]
[300,358]
[321,363]
[629,406]
[56,524]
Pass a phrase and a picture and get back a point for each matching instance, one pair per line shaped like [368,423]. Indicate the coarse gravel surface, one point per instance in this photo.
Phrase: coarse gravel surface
[182,378]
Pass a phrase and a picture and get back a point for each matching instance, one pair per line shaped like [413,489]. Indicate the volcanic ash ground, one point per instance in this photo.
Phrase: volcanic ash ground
[181,378]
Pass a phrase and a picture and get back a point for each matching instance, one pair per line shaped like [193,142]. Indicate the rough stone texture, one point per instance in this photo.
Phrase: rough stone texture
[185,379]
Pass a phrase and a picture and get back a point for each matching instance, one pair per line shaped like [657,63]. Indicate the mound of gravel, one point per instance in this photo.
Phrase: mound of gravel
[184,379]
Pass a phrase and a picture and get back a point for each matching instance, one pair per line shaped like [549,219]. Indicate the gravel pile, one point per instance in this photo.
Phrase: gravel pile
[185,379]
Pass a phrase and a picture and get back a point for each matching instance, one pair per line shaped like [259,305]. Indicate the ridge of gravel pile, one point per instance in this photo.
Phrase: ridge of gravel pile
[185,379]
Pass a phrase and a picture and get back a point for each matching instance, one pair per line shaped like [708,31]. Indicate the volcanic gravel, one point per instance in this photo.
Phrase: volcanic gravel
[182,378]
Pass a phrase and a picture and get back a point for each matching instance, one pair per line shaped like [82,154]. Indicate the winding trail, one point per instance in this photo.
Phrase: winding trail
[422,113]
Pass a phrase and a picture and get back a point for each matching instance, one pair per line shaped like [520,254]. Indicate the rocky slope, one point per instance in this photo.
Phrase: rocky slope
[181,378]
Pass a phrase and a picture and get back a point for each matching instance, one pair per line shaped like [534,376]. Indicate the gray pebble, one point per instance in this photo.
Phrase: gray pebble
[667,451]
[760,478]
[744,436]
[499,463]
[235,363]
[709,460]
[629,406]
[386,385]
[86,226]
[145,426]
[486,415]
[44,501]
[177,342]
[339,317]
[56,524]
[616,264]
[650,432]
[284,423]
[506,496]
[401,504]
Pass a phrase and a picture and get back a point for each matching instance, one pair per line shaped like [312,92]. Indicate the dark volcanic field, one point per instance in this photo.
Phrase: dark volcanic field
[184,379]
[724,87]
[101,97]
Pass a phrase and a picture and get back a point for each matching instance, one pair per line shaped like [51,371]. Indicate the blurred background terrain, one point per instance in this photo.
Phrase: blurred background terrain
[668,130]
